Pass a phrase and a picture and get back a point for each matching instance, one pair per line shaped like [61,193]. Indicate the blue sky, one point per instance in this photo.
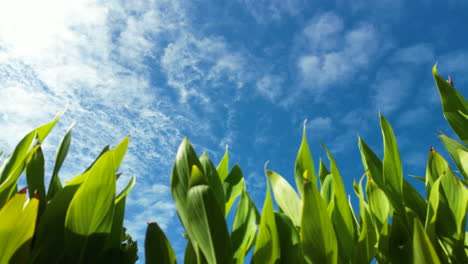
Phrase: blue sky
[244,73]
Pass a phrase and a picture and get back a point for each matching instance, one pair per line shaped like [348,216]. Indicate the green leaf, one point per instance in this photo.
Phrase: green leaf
[454,105]
[319,242]
[55,185]
[186,160]
[51,248]
[432,208]
[414,200]
[423,250]
[223,166]
[289,239]
[327,189]
[119,213]
[267,244]
[456,150]
[304,162]
[378,204]
[35,178]
[14,166]
[464,163]
[342,216]
[391,167]
[244,227]
[285,197]
[207,225]
[368,237]
[233,186]
[157,247]
[323,172]
[89,209]
[214,181]
[16,231]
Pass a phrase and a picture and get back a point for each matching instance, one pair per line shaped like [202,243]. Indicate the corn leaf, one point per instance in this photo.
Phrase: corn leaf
[319,242]
[285,197]
[233,186]
[17,228]
[392,170]
[157,247]
[55,185]
[214,181]
[327,189]
[368,237]
[89,209]
[290,245]
[223,166]
[207,225]
[454,106]
[342,216]
[323,172]
[423,250]
[35,179]
[457,152]
[304,162]
[267,244]
[244,227]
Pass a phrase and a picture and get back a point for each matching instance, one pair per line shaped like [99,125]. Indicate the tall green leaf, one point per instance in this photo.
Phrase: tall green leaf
[290,242]
[55,185]
[89,209]
[392,170]
[223,166]
[244,227]
[457,152]
[285,197]
[342,216]
[304,162]
[157,246]
[267,244]
[233,186]
[319,241]
[35,178]
[423,250]
[207,225]
[454,106]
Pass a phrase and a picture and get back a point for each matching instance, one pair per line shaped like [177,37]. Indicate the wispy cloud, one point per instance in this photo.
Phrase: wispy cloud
[334,54]
[265,11]
[270,87]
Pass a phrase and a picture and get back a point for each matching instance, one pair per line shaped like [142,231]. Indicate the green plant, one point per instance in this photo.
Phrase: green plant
[80,222]
[395,223]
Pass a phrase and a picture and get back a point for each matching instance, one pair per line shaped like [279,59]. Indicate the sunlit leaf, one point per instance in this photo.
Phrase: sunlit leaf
[18,218]
[244,227]
[267,244]
[304,162]
[319,242]
[453,104]
[285,197]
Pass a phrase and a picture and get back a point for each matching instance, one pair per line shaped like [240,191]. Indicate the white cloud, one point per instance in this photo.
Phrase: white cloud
[193,65]
[320,125]
[270,86]
[333,54]
[323,32]
[416,54]
[265,11]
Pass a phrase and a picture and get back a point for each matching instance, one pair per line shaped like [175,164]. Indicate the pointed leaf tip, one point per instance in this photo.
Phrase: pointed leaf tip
[22,191]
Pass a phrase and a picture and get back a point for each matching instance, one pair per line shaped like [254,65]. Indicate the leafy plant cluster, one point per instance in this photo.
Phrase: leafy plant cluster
[81,222]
